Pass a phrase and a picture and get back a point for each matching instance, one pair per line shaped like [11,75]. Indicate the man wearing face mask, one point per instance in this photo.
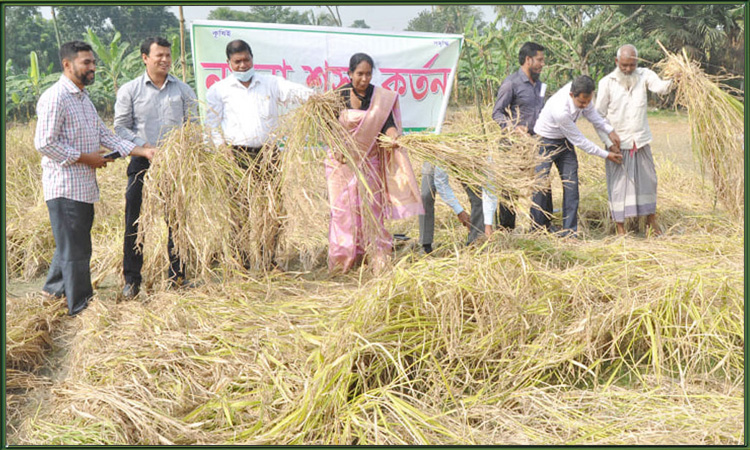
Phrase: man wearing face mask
[622,99]
[243,110]
[519,101]
[69,135]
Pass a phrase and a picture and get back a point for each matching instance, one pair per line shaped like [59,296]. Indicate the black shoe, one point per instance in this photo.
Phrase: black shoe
[130,291]
[427,248]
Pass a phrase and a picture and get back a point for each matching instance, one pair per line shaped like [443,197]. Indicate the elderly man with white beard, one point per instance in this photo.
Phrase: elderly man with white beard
[622,99]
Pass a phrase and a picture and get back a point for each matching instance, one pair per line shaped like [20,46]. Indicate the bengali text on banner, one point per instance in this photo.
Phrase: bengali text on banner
[420,67]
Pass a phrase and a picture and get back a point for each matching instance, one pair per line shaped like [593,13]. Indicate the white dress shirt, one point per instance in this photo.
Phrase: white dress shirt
[558,120]
[626,109]
[240,115]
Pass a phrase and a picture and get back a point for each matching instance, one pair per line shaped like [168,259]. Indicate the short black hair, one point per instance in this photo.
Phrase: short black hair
[528,49]
[160,41]
[238,46]
[70,50]
[582,85]
[358,58]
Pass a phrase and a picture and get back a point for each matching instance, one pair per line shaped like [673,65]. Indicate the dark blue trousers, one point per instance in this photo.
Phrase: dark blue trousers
[70,271]
[563,155]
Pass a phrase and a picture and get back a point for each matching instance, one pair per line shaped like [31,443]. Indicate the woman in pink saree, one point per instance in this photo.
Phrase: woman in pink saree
[381,187]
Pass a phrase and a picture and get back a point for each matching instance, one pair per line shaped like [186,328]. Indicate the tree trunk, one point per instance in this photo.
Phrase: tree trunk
[182,46]
[57,32]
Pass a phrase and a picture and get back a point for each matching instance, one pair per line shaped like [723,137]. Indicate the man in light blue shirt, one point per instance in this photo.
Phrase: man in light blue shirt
[435,179]
[147,108]
[556,126]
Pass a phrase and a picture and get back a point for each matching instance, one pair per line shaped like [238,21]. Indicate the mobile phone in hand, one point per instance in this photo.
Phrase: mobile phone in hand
[112,155]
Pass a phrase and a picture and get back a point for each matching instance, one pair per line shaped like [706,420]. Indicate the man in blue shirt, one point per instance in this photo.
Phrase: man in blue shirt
[519,101]
[147,108]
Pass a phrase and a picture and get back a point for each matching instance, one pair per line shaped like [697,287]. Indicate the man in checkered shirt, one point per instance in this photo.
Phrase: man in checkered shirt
[69,134]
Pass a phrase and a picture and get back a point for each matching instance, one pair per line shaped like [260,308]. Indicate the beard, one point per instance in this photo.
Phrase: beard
[84,78]
[626,81]
[535,75]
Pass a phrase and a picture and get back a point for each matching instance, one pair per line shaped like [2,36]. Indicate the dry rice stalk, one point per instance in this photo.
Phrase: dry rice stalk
[18,379]
[29,321]
[717,126]
[482,155]
[193,189]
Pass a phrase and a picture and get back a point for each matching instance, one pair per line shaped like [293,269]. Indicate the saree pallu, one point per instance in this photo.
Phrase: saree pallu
[382,187]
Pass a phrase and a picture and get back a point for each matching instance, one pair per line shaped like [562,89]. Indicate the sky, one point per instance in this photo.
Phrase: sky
[378,17]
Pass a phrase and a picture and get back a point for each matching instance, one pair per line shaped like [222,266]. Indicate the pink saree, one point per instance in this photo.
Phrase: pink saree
[385,188]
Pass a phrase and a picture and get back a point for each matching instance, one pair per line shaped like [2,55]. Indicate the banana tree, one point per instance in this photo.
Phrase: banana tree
[111,56]
[23,90]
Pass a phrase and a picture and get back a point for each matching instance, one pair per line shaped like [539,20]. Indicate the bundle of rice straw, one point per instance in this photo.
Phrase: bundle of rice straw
[308,132]
[482,155]
[717,125]
[193,188]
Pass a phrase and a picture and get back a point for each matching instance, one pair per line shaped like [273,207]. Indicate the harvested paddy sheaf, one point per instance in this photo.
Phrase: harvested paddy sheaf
[514,335]
[522,339]
[717,119]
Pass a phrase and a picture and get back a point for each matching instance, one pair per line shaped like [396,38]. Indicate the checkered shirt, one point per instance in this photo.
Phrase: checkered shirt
[67,126]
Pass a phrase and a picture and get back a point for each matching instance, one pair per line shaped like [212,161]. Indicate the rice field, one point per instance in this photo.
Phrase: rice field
[521,339]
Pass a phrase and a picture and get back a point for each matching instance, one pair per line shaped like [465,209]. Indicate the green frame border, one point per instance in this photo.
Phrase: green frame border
[3,244]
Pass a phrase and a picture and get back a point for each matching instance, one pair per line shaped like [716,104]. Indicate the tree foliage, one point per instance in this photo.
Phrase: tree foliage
[263,14]
[26,31]
[711,34]
[447,19]
[583,39]
[359,23]
[135,23]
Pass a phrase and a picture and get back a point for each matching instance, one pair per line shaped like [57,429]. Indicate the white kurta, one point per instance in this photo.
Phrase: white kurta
[631,186]
[627,110]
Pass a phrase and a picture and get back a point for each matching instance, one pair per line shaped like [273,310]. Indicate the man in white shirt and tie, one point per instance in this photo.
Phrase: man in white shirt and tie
[243,111]
[622,99]
[557,128]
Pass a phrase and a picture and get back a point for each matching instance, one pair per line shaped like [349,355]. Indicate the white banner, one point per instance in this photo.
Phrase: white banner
[419,66]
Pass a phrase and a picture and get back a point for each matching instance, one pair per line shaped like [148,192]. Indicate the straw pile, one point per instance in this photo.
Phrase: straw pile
[525,340]
[717,126]
[28,234]
[519,342]
[30,320]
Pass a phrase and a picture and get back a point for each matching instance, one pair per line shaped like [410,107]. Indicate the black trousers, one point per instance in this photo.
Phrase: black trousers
[70,271]
[505,217]
[563,155]
[132,261]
